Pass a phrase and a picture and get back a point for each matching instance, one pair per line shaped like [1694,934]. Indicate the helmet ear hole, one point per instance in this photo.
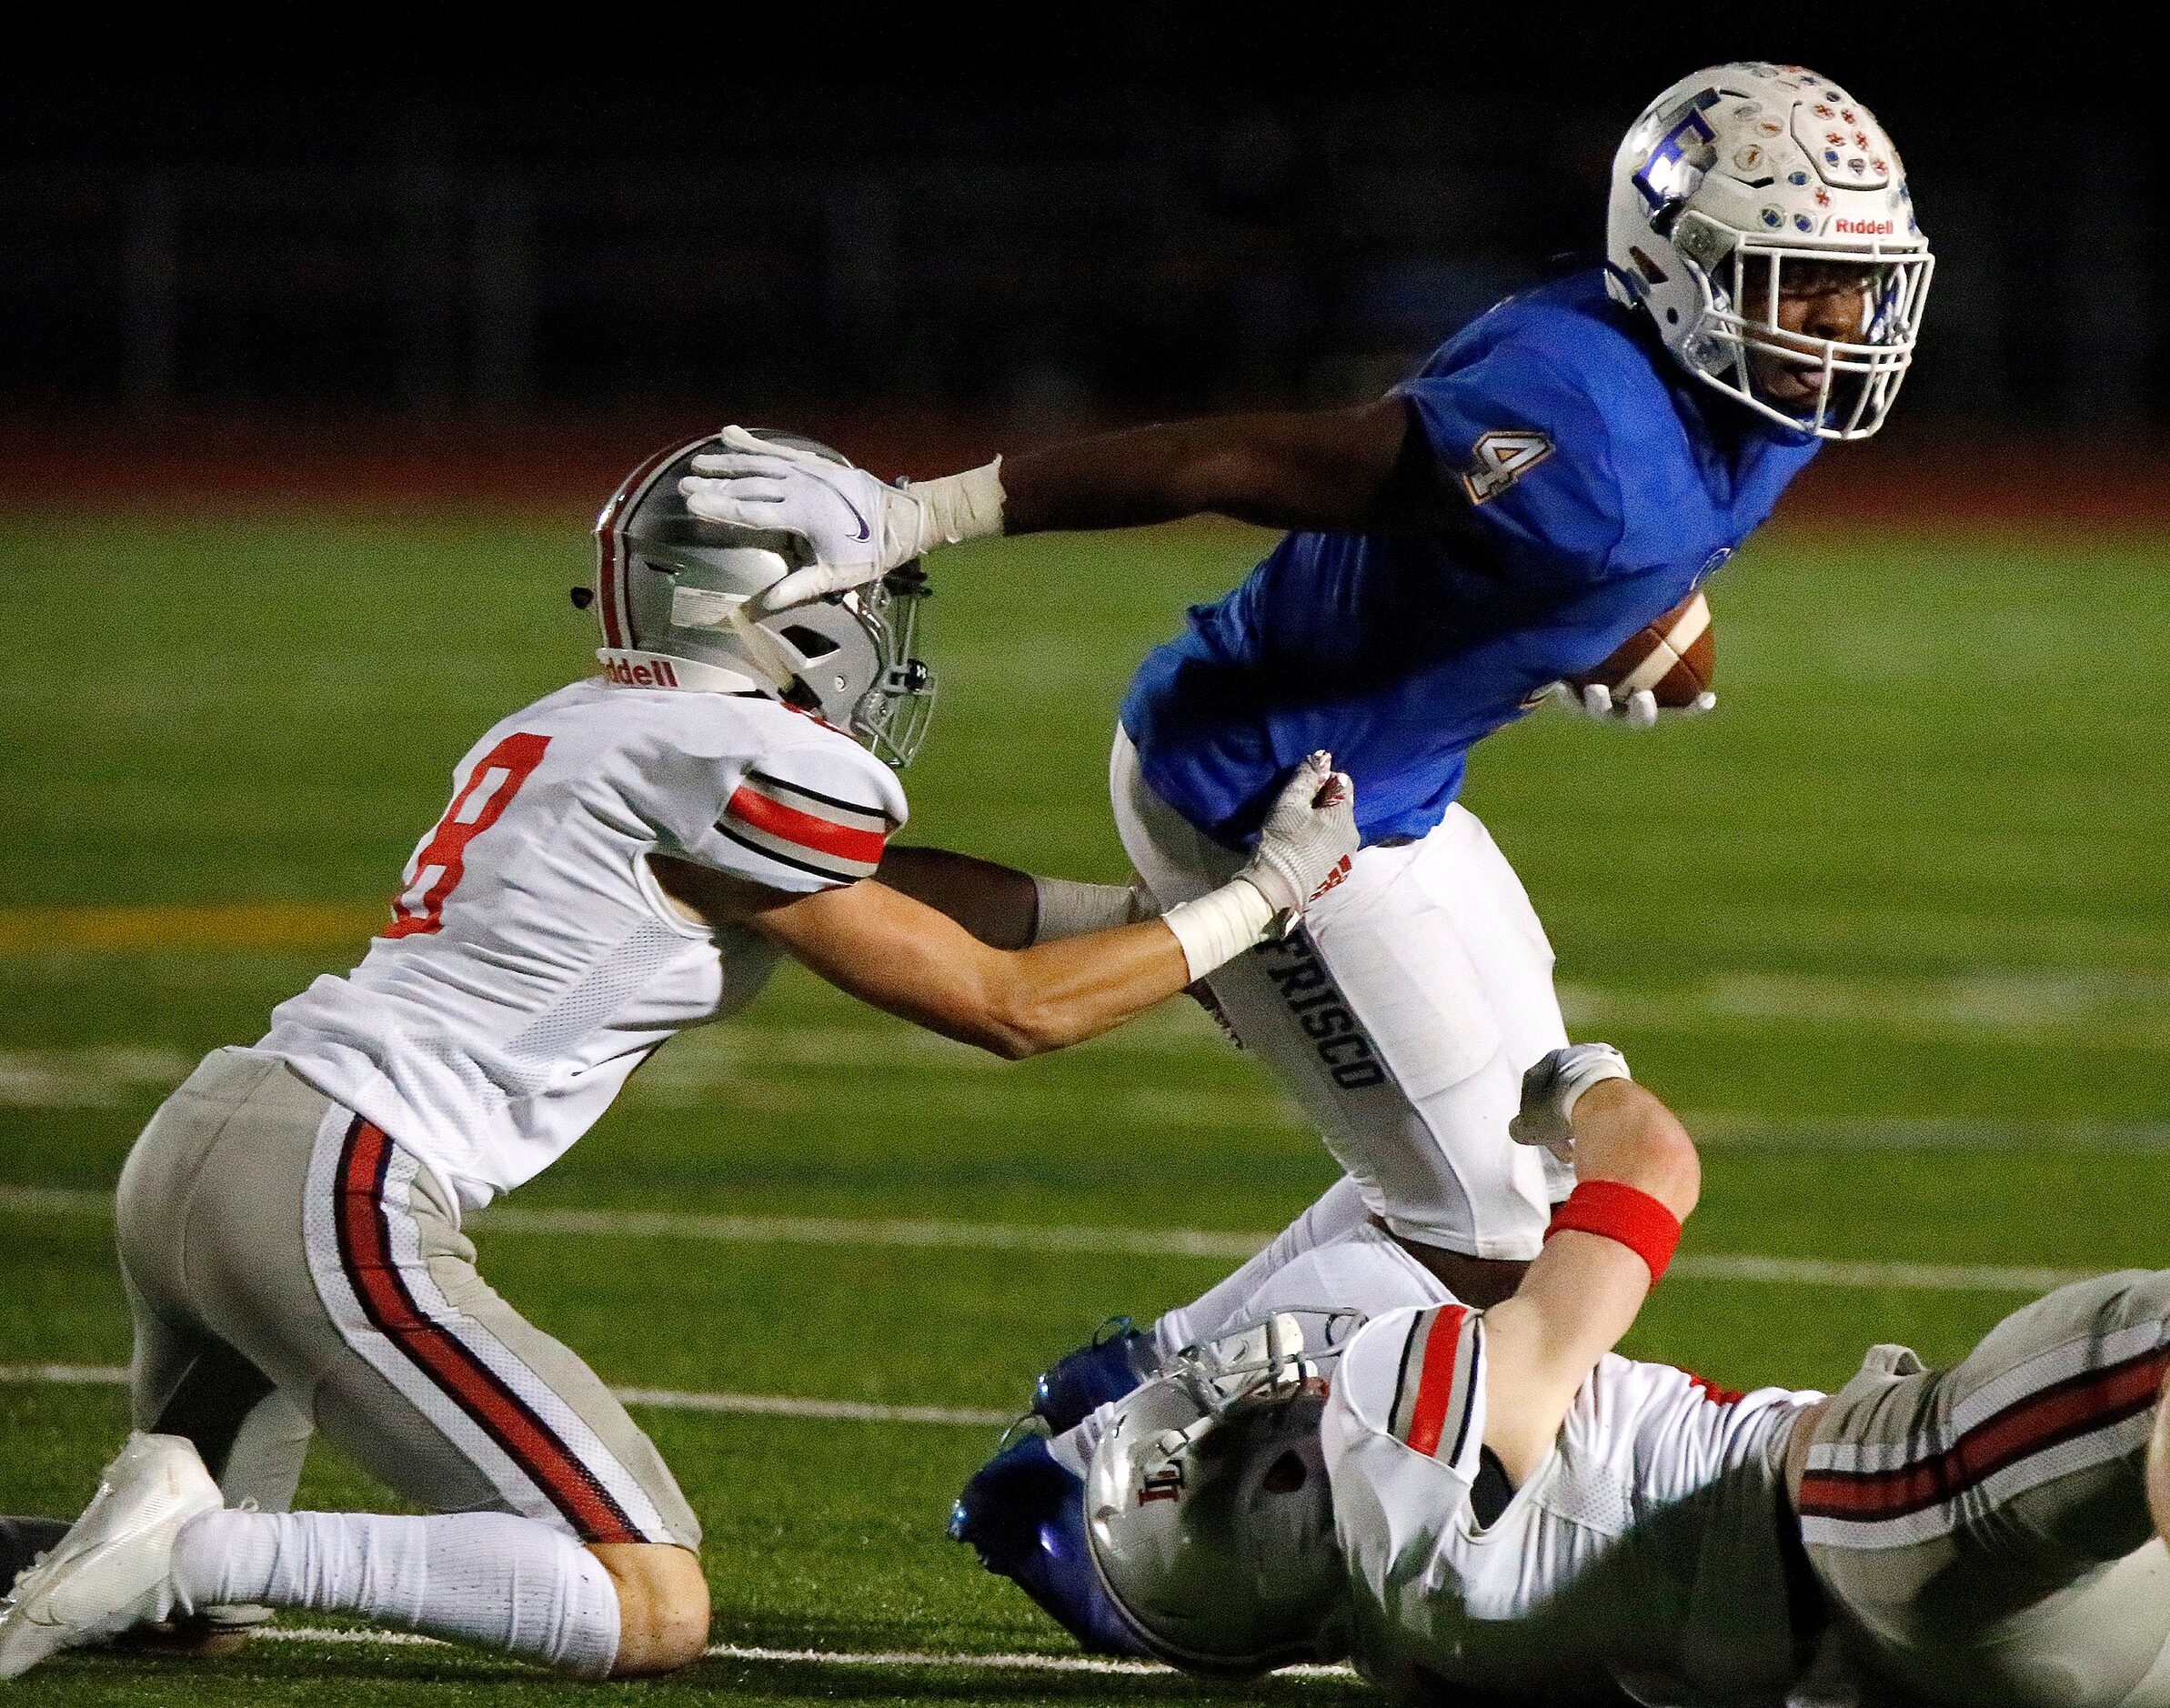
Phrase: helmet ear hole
[811,643]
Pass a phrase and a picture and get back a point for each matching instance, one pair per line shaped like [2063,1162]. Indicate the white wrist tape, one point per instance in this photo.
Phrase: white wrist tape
[1071,910]
[955,508]
[1221,925]
[1582,1066]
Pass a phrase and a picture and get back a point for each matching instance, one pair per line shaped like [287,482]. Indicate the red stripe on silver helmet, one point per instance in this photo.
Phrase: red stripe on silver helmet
[612,601]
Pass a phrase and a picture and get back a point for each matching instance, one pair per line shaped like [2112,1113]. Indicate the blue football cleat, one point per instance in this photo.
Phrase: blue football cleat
[1025,1515]
[22,1541]
[1079,1383]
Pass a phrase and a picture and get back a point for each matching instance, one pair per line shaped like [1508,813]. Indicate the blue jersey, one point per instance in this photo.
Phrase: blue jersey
[1603,485]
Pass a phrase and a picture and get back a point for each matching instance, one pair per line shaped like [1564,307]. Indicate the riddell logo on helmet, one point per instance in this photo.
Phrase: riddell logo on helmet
[656,673]
[1865,228]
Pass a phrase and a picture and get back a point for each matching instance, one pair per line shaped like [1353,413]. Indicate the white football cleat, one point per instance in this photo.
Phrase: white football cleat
[114,1569]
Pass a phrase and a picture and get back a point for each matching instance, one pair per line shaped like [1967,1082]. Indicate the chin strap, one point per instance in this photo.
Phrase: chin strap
[727,613]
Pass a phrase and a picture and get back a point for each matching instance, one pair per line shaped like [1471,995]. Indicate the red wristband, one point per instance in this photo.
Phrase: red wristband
[1615,1210]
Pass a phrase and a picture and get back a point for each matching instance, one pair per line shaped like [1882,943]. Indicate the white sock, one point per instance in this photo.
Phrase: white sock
[1340,1209]
[1073,1449]
[503,1582]
[1362,1268]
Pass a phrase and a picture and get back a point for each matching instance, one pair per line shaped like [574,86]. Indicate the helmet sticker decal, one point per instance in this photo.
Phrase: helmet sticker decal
[1683,153]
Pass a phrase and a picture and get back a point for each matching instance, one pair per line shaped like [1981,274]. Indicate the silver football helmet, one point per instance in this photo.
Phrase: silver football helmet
[673,595]
[1735,179]
[1206,1507]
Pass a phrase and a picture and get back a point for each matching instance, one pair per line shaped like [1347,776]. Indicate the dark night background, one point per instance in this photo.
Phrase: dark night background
[1140,214]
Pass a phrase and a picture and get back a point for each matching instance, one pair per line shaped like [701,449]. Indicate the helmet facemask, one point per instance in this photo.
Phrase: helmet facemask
[893,716]
[1731,186]
[1744,278]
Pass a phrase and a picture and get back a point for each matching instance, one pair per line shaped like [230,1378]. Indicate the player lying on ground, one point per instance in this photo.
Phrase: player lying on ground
[626,857]
[1556,476]
[1493,1500]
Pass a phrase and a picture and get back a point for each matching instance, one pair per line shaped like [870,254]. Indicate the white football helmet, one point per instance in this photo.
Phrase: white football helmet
[672,593]
[1207,1508]
[1730,177]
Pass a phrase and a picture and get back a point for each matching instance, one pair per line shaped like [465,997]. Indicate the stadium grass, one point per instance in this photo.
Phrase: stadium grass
[1888,926]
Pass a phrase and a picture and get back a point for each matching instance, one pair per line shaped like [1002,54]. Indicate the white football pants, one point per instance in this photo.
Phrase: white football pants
[1401,1016]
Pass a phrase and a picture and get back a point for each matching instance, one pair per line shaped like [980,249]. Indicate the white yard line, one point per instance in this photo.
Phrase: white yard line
[832,1411]
[820,1657]
[978,1236]
[663,1399]
[1922,1132]
[780,1070]
[782,1066]
[68,1375]
[1808,1272]
[1188,1242]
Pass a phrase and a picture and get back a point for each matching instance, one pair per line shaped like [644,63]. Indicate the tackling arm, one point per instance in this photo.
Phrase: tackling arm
[996,904]
[902,956]
[1004,908]
[1583,1292]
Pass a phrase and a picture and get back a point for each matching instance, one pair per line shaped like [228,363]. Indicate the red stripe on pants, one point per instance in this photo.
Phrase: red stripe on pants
[2092,1400]
[365,1254]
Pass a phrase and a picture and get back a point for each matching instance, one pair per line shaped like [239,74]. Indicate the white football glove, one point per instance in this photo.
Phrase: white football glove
[1638,711]
[1550,1089]
[857,528]
[1305,844]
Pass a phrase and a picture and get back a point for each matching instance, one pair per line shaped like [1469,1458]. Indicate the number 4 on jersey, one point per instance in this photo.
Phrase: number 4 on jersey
[439,862]
[1501,459]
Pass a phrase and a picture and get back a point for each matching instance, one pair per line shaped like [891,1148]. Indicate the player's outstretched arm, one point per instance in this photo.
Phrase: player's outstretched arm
[880,945]
[1369,467]
[1638,1178]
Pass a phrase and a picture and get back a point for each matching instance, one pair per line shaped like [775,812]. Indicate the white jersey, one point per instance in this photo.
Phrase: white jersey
[1644,1552]
[531,964]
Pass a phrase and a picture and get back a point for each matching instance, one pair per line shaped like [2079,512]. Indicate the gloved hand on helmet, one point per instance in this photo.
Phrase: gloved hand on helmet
[857,528]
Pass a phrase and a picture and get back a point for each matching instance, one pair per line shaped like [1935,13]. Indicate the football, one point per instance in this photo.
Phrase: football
[1675,658]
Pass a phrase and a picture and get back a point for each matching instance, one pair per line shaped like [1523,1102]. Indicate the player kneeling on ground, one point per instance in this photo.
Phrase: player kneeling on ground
[1493,1501]
[622,859]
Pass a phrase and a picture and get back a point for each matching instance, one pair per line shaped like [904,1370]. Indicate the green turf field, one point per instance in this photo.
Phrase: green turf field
[1889,928]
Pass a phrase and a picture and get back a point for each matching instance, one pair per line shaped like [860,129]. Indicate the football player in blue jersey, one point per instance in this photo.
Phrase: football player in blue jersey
[1558,474]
